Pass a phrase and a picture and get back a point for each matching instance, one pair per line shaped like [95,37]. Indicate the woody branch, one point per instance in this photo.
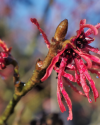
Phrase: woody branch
[58,42]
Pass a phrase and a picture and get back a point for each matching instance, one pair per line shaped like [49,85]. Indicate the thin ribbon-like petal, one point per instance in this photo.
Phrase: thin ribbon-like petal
[61,105]
[33,20]
[71,66]
[95,50]
[92,84]
[67,99]
[94,65]
[89,31]
[50,68]
[92,57]
[95,71]
[85,86]
[72,86]
[93,28]
[81,70]
[53,62]
[87,60]
[64,93]
[67,75]
[89,39]
[82,22]
[77,78]
[95,92]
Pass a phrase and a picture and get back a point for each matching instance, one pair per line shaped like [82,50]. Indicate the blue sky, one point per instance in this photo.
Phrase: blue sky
[59,10]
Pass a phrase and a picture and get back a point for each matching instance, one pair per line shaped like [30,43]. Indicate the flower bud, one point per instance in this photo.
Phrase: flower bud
[61,30]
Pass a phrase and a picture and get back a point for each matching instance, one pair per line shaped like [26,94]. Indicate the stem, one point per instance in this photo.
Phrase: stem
[38,73]
[9,109]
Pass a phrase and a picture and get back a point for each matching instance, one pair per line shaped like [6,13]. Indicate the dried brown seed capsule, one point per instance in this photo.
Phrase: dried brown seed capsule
[61,30]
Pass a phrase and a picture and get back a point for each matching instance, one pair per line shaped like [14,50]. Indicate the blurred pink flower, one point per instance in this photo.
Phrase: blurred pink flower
[70,58]
[4,54]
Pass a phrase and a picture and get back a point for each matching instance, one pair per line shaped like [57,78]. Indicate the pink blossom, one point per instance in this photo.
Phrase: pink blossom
[4,54]
[71,58]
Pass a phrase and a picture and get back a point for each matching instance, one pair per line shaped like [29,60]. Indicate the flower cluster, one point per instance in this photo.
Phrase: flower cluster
[4,54]
[71,58]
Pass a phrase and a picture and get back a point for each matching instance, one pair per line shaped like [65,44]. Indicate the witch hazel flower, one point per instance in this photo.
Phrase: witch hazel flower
[71,58]
[4,54]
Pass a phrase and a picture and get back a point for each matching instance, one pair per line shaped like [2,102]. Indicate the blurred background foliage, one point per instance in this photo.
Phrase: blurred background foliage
[28,45]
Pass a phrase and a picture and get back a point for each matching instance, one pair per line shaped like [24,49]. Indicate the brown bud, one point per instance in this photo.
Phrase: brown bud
[61,30]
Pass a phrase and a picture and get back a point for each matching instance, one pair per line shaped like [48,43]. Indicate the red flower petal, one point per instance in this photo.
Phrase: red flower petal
[67,99]
[61,105]
[33,20]
[50,68]
[85,86]
[71,66]
[92,84]
[95,65]
[89,39]
[95,50]
[89,31]
[94,58]
[72,86]
[82,22]
[95,71]
[81,68]
[53,62]
[95,92]
[67,75]
[77,78]
[97,26]
[87,60]
[94,30]
[65,95]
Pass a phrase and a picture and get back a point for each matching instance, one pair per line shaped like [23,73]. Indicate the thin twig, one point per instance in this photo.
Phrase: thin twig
[57,43]
[38,73]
